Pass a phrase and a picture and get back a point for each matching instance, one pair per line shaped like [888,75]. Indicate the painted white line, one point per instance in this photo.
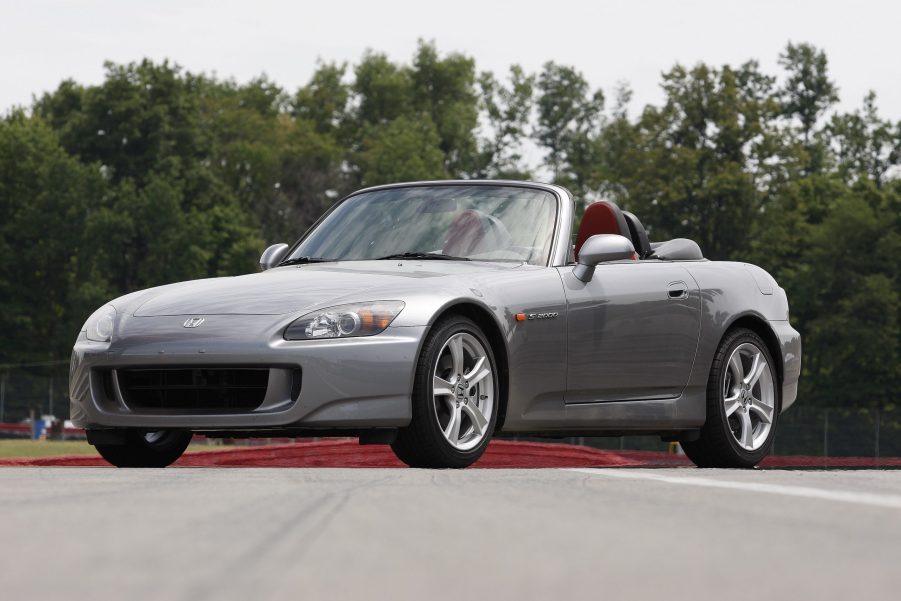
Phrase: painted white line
[860,498]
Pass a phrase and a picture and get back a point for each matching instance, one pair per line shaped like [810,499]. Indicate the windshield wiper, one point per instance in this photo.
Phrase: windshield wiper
[303,260]
[439,256]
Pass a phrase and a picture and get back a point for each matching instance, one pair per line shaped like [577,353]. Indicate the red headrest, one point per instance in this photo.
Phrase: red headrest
[464,234]
[602,217]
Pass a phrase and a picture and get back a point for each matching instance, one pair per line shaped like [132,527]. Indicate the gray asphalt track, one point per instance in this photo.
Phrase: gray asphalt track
[197,534]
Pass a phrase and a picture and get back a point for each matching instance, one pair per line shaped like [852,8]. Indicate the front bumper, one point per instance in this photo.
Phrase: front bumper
[346,383]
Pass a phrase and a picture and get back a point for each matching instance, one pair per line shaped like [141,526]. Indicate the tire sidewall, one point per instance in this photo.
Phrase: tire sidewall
[137,451]
[172,442]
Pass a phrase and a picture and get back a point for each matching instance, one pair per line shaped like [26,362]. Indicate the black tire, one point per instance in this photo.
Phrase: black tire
[423,444]
[139,451]
[717,446]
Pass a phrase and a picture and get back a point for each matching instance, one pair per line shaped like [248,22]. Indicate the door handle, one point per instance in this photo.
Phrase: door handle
[677,290]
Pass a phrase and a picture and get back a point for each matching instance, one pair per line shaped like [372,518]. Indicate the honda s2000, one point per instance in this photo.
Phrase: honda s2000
[432,316]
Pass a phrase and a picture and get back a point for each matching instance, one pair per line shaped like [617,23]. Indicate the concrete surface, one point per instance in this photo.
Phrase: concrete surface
[198,534]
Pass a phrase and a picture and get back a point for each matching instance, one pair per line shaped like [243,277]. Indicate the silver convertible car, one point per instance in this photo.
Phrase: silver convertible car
[431,316]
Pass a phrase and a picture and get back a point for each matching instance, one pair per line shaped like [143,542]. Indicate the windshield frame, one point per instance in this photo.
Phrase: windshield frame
[563,216]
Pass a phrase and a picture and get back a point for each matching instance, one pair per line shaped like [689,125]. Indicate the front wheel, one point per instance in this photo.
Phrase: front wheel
[141,448]
[742,405]
[455,398]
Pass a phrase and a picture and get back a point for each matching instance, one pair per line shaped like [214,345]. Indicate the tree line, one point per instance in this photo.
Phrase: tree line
[158,174]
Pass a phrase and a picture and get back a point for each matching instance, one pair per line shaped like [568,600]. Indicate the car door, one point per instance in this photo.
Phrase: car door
[632,331]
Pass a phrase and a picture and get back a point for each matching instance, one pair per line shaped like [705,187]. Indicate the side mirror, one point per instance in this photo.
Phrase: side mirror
[600,249]
[272,256]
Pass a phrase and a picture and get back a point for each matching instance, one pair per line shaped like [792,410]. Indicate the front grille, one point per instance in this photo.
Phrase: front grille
[187,390]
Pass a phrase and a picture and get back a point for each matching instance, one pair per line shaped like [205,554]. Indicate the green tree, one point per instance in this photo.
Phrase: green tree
[48,282]
[310,178]
[508,111]
[691,167]
[323,101]
[807,94]
[381,90]
[444,89]
[405,149]
[435,95]
[852,305]
[141,115]
[169,149]
[568,116]
[808,91]
[866,146]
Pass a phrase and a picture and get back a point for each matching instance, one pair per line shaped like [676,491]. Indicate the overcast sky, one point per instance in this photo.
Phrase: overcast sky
[45,41]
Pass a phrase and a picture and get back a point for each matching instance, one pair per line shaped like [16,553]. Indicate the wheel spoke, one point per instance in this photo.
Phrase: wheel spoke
[732,404]
[452,431]
[478,372]
[475,415]
[455,345]
[757,367]
[451,403]
[763,410]
[738,372]
[442,387]
[747,431]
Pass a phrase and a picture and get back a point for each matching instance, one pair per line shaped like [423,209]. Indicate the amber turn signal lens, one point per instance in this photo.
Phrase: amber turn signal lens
[377,318]
[520,317]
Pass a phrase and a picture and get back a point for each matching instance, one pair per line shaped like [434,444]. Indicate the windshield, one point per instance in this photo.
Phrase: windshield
[479,223]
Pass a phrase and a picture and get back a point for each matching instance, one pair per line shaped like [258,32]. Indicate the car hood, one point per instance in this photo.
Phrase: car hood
[291,289]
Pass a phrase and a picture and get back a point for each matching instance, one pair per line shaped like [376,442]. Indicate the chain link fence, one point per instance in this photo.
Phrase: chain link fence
[839,432]
[39,387]
[811,431]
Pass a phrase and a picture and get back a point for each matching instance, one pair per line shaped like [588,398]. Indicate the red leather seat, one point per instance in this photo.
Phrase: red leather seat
[602,217]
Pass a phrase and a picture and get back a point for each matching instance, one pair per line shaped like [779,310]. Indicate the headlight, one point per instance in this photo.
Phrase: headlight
[99,326]
[344,321]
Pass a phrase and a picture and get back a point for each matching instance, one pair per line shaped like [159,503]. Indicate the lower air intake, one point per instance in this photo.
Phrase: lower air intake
[194,390]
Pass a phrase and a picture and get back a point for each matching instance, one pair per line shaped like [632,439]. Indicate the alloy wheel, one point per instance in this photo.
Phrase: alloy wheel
[155,436]
[749,396]
[463,391]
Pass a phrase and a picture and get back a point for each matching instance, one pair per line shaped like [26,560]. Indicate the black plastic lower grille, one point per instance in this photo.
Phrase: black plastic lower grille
[202,389]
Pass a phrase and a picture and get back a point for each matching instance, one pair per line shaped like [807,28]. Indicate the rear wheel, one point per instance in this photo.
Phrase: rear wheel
[143,448]
[742,405]
[455,399]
